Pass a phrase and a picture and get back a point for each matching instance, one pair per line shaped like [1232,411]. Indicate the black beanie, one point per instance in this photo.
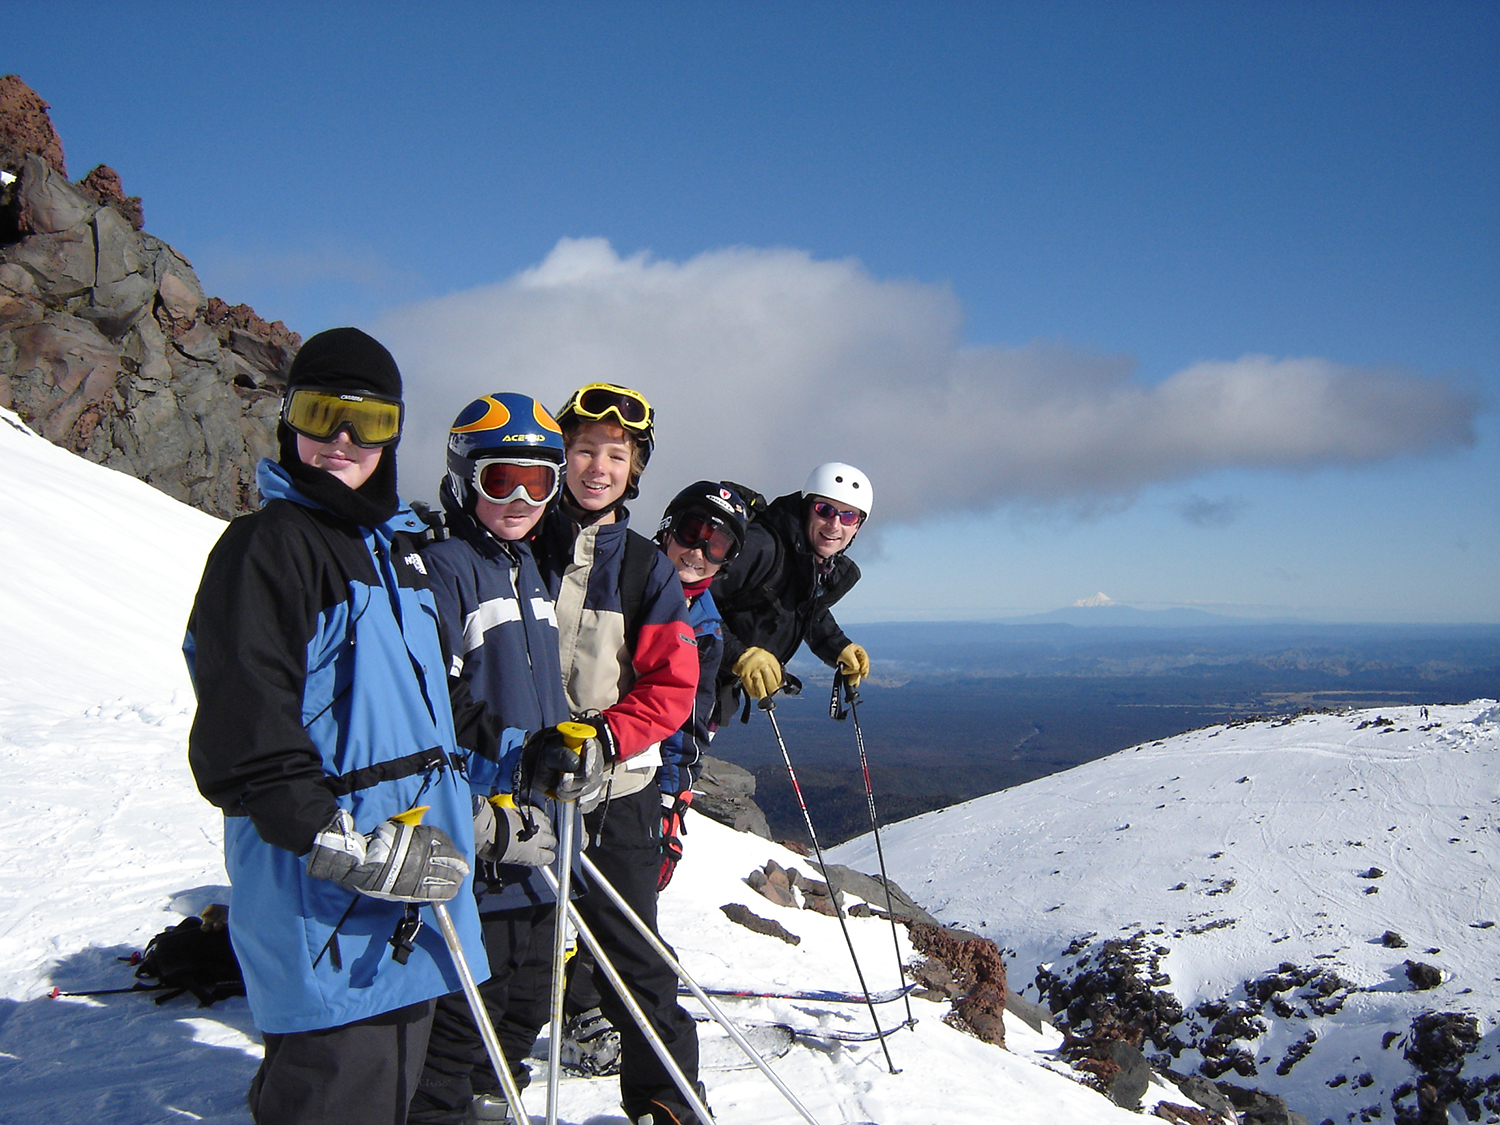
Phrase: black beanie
[345,359]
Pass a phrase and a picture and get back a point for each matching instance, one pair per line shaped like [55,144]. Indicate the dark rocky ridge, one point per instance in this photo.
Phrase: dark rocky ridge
[109,346]
[1114,990]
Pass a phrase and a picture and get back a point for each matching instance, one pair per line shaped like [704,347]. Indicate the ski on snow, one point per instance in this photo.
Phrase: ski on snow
[815,995]
[787,1031]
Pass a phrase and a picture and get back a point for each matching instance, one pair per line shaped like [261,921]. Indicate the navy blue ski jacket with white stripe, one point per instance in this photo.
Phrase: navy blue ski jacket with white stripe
[499,623]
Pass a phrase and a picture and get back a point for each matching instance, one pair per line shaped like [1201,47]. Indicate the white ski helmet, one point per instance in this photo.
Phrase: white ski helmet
[841,483]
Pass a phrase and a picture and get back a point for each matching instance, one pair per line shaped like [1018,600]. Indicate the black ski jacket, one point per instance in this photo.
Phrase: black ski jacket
[771,595]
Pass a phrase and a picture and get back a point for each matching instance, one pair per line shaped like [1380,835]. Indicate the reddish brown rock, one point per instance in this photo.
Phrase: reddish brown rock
[735,912]
[773,884]
[1184,1114]
[71,369]
[25,126]
[103,183]
[977,970]
[108,344]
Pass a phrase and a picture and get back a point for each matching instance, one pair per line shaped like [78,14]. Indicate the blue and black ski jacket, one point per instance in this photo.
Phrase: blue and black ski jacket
[322,684]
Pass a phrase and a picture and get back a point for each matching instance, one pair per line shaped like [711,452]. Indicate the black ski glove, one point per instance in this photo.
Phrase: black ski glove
[398,861]
[549,765]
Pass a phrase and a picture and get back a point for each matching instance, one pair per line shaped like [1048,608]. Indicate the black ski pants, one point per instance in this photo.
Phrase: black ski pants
[624,841]
[360,1073]
[517,997]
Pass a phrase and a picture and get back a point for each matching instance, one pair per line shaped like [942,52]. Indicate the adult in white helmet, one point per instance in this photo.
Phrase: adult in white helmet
[785,581]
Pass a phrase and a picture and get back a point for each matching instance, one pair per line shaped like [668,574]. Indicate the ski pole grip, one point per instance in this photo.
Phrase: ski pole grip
[575,734]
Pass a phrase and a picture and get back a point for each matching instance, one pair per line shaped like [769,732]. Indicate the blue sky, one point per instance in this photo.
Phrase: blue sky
[1191,304]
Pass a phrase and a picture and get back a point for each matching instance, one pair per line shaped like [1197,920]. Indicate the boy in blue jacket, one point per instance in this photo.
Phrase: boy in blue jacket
[323,713]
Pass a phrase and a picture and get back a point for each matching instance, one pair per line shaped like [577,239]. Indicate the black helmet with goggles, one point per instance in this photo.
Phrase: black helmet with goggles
[708,515]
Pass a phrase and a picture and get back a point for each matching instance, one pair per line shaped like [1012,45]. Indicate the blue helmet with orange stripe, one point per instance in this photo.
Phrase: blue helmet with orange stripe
[499,426]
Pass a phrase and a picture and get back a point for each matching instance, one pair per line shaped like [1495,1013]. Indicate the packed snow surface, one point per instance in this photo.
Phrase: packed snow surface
[1238,849]
[108,843]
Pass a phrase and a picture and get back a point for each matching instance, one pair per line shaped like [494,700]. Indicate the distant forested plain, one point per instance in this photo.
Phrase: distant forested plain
[956,710]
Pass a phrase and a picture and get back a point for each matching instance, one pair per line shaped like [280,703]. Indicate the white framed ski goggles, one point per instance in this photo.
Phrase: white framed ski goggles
[502,479]
[318,414]
[597,400]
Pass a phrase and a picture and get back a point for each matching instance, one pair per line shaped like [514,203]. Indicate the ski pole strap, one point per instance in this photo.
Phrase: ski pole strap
[790,685]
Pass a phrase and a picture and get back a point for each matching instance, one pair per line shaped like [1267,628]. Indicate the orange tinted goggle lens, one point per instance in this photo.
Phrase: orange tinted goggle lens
[500,482]
[322,414]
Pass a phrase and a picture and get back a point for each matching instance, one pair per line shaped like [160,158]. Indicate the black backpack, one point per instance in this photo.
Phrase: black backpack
[755,502]
[191,957]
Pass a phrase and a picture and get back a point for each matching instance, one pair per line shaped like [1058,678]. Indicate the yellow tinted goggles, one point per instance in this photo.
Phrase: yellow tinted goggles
[320,414]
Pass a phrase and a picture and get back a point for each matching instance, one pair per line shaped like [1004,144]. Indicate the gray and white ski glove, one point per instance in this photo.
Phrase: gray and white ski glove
[398,861]
[512,835]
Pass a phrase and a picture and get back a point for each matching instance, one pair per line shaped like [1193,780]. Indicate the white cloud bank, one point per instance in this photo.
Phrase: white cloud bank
[764,363]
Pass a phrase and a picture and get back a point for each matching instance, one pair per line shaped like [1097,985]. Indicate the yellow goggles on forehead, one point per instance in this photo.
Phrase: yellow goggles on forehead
[598,400]
[319,415]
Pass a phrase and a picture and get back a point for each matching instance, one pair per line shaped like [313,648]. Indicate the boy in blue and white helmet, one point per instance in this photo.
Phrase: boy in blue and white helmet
[505,455]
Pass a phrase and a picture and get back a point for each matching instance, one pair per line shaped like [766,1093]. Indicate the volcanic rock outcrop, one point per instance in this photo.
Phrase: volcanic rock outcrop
[109,346]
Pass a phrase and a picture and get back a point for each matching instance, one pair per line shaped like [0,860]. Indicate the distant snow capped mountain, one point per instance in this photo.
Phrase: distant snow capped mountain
[1308,906]
[1100,598]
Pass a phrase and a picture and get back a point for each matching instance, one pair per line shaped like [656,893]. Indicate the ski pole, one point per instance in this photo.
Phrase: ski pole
[481,1014]
[666,954]
[851,695]
[574,735]
[632,1005]
[471,992]
[768,705]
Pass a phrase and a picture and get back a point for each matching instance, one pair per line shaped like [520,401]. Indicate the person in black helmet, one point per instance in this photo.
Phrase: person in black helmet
[702,529]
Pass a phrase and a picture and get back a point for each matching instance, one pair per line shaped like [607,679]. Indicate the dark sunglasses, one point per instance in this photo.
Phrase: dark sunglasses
[700,530]
[826,511]
[320,415]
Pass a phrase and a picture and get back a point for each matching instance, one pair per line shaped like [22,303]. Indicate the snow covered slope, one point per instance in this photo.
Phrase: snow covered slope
[1234,850]
[106,843]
